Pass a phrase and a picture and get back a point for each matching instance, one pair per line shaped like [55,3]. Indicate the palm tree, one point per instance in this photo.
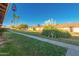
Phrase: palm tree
[14,14]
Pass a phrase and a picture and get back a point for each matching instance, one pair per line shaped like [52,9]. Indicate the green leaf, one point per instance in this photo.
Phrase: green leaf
[17,17]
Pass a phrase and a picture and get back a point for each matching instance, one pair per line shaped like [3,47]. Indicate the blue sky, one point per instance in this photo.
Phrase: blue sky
[38,13]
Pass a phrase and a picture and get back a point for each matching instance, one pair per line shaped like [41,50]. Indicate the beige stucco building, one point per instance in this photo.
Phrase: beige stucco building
[71,27]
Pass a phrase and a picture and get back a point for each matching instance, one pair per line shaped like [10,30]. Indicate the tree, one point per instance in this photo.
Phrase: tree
[38,25]
[12,26]
[22,26]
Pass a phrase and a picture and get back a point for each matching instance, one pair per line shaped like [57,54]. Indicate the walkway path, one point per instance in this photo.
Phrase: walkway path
[72,52]
[72,49]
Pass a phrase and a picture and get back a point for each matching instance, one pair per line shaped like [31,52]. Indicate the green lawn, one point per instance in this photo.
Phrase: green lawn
[74,41]
[24,46]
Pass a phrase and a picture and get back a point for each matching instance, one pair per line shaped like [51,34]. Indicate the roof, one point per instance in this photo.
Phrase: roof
[67,25]
[3,8]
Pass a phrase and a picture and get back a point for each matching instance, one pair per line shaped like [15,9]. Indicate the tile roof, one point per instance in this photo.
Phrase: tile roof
[3,8]
[67,25]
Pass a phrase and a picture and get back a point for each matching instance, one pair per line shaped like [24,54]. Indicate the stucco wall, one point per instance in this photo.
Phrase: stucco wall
[67,29]
[76,29]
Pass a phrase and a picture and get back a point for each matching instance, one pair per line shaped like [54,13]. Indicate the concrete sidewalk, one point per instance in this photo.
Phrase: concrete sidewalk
[72,52]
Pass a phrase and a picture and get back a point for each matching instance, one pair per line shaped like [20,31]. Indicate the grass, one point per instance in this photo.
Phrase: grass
[19,45]
[74,41]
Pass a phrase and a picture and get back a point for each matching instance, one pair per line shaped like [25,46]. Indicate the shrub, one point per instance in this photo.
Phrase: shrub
[22,26]
[12,26]
[56,33]
[2,30]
